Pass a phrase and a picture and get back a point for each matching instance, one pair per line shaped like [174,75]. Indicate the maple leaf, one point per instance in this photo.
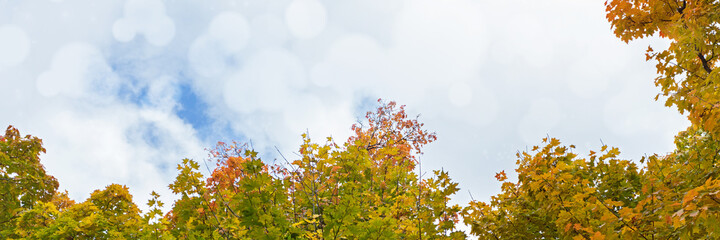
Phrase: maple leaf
[501,176]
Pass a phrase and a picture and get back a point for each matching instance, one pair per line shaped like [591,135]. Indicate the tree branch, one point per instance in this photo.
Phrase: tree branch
[704,62]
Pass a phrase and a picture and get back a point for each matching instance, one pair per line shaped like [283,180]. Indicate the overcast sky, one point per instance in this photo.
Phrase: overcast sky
[121,91]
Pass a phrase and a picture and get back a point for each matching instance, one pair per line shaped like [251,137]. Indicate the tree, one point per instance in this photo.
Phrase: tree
[366,188]
[561,196]
[674,196]
[687,68]
[31,208]
[681,189]
[107,214]
[23,180]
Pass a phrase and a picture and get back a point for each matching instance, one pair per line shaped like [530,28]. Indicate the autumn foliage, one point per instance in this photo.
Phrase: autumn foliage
[370,187]
[686,69]
[561,195]
[366,187]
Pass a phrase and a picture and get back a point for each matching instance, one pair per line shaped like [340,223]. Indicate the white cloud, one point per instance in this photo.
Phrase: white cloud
[268,30]
[95,138]
[352,61]
[231,31]
[162,93]
[321,118]
[544,114]
[433,45]
[632,111]
[212,53]
[145,17]
[439,41]
[14,45]
[206,58]
[305,18]
[460,94]
[88,150]
[72,71]
[267,82]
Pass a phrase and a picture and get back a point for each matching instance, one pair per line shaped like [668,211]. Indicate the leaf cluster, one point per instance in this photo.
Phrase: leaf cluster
[559,195]
[365,188]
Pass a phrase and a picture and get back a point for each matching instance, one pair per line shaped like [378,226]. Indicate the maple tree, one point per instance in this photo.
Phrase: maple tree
[686,181]
[675,196]
[686,69]
[107,214]
[680,198]
[23,180]
[365,188]
[561,195]
[32,208]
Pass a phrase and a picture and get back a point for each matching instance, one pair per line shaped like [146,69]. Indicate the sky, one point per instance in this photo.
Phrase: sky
[121,91]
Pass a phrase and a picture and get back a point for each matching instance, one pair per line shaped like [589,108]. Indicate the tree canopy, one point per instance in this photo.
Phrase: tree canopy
[366,187]
[561,195]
